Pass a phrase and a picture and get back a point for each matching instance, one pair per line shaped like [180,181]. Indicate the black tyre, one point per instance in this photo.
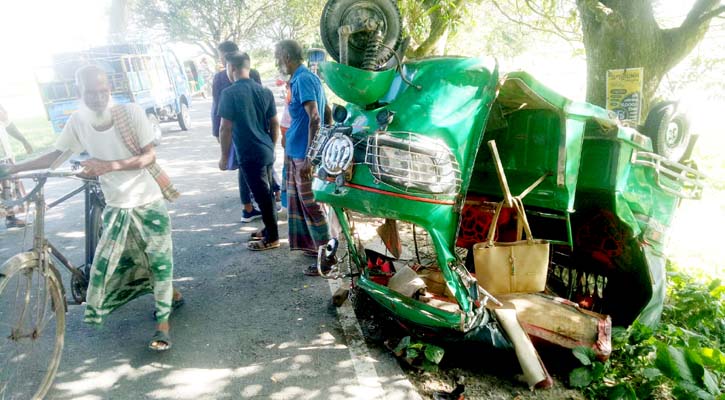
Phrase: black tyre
[79,287]
[669,131]
[156,127]
[184,117]
[339,13]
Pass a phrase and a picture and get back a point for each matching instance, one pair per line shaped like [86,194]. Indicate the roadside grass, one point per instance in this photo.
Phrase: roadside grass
[39,133]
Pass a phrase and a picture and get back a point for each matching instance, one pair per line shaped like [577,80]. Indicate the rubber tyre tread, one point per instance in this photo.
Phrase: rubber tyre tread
[330,21]
[655,127]
[59,307]
[181,117]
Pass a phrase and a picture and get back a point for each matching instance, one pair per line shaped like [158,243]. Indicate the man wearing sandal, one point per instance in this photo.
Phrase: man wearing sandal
[307,222]
[134,254]
[249,119]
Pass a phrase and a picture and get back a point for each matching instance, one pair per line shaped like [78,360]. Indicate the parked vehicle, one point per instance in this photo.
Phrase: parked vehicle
[409,147]
[149,75]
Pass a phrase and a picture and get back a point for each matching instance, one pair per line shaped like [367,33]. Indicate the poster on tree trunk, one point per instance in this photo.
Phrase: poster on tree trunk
[624,93]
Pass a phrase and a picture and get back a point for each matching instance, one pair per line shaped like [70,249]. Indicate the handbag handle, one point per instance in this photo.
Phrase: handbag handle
[522,218]
[519,206]
[494,222]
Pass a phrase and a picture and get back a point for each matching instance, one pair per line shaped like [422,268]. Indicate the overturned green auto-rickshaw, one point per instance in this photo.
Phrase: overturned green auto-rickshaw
[410,147]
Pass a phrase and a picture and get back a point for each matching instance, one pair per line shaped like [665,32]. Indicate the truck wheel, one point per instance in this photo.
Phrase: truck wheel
[184,117]
[669,131]
[156,128]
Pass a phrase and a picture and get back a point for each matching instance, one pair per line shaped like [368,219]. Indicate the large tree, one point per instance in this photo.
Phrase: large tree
[429,22]
[295,19]
[625,34]
[617,34]
[207,22]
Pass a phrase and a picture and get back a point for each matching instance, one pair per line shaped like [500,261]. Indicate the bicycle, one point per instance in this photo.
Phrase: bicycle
[32,294]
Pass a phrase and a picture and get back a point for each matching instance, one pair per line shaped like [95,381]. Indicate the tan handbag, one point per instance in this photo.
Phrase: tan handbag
[512,267]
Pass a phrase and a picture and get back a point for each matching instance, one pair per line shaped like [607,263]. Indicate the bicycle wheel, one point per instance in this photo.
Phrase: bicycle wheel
[32,327]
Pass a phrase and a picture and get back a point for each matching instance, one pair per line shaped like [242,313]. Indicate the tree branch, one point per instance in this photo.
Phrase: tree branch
[563,33]
[712,14]
[526,24]
[681,40]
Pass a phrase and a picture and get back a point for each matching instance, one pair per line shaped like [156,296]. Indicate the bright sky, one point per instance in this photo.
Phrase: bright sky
[31,30]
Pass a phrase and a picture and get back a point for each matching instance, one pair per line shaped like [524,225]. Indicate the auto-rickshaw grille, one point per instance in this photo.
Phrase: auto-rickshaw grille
[413,162]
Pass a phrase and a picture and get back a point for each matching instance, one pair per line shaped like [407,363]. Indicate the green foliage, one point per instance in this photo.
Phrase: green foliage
[429,22]
[249,24]
[418,354]
[682,358]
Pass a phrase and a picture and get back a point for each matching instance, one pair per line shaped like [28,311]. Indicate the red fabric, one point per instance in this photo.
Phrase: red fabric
[475,221]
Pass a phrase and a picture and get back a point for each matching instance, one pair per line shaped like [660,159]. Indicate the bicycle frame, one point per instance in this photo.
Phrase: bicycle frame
[94,204]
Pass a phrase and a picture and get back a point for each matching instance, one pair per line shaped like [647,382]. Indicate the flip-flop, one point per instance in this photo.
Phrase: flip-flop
[261,245]
[175,304]
[160,337]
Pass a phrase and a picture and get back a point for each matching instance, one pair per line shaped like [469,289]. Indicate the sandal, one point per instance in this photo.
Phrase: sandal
[258,235]
[261,245]
[174,305]
[161,341]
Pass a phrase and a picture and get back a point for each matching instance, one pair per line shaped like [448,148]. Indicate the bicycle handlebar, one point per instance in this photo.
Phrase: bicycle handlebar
[39,176]
[44,175]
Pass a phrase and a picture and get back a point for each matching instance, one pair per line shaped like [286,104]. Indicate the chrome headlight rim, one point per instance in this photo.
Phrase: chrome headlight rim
[338,155]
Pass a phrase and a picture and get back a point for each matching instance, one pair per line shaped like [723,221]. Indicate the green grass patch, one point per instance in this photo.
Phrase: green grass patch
[39,133]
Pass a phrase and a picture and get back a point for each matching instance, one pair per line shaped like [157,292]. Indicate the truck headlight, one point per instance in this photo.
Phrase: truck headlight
[413,162]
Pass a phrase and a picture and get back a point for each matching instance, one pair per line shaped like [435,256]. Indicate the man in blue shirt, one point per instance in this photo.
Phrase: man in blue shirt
[221,81]
[249,119]
[308,227]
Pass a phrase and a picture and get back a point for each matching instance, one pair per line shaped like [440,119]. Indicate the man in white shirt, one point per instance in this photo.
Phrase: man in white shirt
[134,255]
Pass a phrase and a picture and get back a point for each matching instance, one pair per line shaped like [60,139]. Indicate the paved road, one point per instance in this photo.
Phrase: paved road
[253,326]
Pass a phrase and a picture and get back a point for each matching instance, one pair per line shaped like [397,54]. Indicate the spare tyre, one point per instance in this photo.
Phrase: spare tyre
[669,130]
[338,13]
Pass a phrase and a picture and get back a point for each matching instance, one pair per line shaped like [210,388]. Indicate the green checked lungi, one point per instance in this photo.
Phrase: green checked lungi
[133,258]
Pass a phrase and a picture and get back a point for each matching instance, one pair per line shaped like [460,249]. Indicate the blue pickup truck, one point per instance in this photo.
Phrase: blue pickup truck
[149,75]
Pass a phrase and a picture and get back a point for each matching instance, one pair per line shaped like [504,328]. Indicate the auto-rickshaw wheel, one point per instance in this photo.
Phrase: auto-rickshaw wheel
[339,13]
[669,131]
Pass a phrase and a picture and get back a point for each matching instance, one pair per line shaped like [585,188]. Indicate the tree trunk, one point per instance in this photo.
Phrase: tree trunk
[620,34]
[441,18]
[118,20]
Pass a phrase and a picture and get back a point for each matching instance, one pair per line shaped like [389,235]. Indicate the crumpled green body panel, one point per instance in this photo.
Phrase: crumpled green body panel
[586,155]
[354,85]
[451,105]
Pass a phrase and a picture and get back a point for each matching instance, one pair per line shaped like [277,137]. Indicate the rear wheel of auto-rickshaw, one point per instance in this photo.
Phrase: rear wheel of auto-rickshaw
[669,131]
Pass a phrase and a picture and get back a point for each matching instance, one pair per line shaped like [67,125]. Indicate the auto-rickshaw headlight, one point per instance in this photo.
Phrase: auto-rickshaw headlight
[413,162]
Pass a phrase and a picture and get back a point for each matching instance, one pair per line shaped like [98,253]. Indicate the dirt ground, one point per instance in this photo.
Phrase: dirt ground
[485,373]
